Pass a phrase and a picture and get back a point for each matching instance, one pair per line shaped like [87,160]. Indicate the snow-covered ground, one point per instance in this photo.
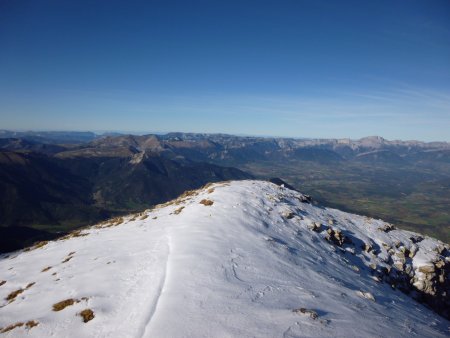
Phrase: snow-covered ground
[254,263]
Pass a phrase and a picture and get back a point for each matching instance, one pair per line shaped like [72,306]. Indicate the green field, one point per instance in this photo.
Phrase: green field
[413,198]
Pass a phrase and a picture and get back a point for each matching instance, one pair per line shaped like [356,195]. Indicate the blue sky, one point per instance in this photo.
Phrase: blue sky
[301,68]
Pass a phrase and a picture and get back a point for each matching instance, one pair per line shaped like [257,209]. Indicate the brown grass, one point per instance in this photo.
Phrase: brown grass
[63,304]
[2,282]
[143,217]
[31,323]
[76,233]
[206,202]
[207,185]
[177,211]
[37,246]
[87,315]
[29,285]
[11,327]
[188,193]
[12,296]
[67,259]
[46,269]
[210,190]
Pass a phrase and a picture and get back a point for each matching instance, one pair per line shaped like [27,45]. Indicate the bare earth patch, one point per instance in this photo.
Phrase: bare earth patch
[2,282]
[46,269]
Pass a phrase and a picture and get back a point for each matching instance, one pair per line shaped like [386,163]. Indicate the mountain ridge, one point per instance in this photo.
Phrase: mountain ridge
[239,258]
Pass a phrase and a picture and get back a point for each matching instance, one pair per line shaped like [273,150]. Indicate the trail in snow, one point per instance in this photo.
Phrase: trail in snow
[146,330]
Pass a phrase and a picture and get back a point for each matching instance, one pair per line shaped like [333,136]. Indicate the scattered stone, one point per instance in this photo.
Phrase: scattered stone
[311,313]
[315,226]
[367,247]
[366,295]
[399,266]
[386,228]
[439,264]
[413,250]
[335,236]
[416,239]
[305,199]
[426,269]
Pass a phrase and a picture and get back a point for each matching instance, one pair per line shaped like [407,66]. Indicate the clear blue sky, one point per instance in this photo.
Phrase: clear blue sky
[287,68]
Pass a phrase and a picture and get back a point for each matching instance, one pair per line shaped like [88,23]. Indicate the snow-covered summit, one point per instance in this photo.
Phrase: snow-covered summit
[236,259]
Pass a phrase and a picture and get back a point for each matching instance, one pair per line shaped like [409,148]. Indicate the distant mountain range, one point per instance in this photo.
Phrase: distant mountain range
[56,181]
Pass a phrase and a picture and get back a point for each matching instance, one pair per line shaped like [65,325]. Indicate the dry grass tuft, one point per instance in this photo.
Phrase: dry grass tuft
[188,193]
[177,211]
[75,233]
[46,269]
[67,259]
[31,323]
[12,296]
[87,315]
[2,282]
[36,246]
[29,285]
[11,327]
[207,185]
[210,190]
[206,202]
[143,217]
[63,304]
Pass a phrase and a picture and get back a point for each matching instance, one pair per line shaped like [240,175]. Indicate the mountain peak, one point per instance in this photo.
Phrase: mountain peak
[241,258]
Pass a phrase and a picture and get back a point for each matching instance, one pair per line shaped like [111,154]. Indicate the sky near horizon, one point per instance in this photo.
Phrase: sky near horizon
[282,68]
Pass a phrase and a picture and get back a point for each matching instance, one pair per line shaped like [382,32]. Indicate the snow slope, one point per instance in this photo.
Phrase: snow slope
[249,265]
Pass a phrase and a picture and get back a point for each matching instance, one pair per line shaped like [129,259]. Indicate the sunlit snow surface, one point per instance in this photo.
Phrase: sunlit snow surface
[236,268]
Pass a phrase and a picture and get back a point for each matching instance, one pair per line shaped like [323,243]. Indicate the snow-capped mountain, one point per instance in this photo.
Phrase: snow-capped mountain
[234,259]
